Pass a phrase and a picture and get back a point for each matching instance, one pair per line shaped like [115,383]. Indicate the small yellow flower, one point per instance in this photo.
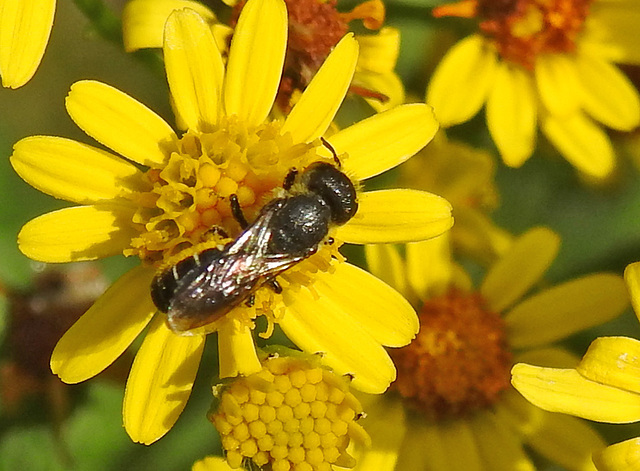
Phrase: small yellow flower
[167,193]
[604,387]
[292,414]
[315,27]
[25,26]
[464,176]
[543,62]
[452,406]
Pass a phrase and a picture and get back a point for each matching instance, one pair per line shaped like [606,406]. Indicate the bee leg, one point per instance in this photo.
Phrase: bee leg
[250,300]
[332,150]
[236,210]
[289,179]
[275,286]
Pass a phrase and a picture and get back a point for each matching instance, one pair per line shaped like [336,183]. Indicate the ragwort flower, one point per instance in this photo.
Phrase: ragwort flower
[169,193]
[25,26]
[315,27]
[543,62]
[452,407]
[603,387]
[293,414]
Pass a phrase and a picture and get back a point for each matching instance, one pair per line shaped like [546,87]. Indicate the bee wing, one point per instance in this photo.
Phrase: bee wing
[207,294]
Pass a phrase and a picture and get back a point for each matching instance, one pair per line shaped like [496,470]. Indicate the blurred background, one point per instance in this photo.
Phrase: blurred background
[45,425]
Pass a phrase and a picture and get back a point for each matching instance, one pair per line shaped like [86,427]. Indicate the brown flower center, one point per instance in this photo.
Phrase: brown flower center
[460,360]
[523,29]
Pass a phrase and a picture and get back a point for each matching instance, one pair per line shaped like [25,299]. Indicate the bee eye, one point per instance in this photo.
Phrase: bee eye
[335,188]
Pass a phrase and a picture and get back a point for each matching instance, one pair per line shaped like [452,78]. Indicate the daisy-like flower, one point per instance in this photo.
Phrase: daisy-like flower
[543,62]
[603,387]
[292,414]
[165,197]
[25,26]
[464,176]
[452,407]
[315,27]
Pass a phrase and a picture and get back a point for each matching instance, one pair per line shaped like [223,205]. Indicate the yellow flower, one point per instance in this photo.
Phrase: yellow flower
[603,387]
[543,62]
[167,193]
[292,414]
[25,26]
[315,27]
[464,176]
[452,407]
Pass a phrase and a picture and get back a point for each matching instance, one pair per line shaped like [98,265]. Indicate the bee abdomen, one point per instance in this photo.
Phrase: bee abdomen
[165,286]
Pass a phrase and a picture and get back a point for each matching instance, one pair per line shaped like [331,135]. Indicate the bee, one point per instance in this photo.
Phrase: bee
[207,285]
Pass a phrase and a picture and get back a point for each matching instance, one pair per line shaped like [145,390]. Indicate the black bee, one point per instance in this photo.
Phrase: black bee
[205,286]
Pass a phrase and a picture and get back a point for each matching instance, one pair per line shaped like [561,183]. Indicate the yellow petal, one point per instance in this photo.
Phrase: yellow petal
[256,58]
[632,279]
[511,114]
[315,324]
[385,424]
[381,311]
[566,309]
[568,392]
[119,122]
[429,266]
[459,445]
[614,361]
[195,70]
[211,463]
[106,329]
[607,94]
[385,140]
[237,351]
[389,85]
[624,456]
[520,268]
[476,236]
[73,171]
[160,382]
[379,52]
[558,83]
[583,143]
[491,435]
[611,30]
[25,26]
[385,263]
[143,20]
[313,113]
[421,448]
[461,82]
[77,234]
[567,441]
[397,216]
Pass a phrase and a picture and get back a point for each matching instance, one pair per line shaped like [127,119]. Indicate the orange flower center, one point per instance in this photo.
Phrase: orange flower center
[460,360]
[523,29]
[315,27]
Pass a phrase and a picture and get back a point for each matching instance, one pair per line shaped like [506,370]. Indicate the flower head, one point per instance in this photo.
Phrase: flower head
[452,403]
[169,198]
[25,26]
[603,387]
[315,27]
[292,414]
[542,62]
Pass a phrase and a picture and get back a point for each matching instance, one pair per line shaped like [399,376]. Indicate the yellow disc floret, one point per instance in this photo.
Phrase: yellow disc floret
[292,415]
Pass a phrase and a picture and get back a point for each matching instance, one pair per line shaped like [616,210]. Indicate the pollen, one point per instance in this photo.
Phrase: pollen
[460,361]
[521,30]
[292,430]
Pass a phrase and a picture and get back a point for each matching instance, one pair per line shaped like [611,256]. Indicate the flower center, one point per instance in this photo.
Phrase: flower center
[523,29]
[460,360]
[315,27]
[188,200]
[293,414]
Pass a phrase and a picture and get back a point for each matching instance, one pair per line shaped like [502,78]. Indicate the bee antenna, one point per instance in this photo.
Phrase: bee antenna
[332,150]
[236,210]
